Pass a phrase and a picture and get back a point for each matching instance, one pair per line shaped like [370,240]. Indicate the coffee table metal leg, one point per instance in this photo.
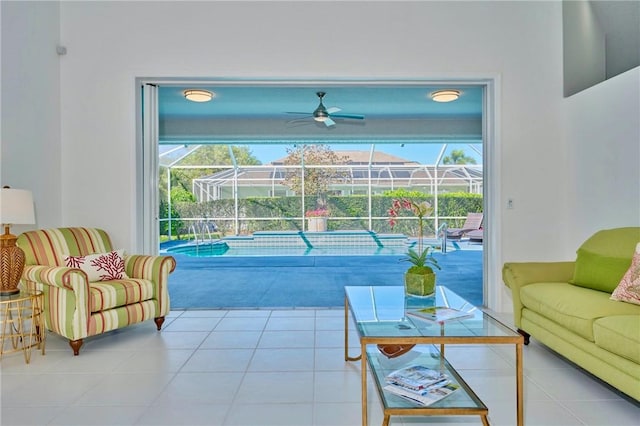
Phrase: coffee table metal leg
[363,348]
[346,333]
[485,421]
[519,385]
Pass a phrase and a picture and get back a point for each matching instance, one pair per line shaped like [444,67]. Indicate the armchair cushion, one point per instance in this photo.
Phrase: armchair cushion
[113,294]
[99,266]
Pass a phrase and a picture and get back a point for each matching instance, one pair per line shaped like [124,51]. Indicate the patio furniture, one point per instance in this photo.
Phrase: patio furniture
[476,236]
[90,288]
[473,222]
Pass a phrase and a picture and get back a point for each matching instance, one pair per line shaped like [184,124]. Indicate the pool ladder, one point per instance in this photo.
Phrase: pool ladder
[203,227]
[442,230]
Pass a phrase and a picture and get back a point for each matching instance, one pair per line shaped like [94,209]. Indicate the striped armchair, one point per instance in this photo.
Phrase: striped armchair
[76,307]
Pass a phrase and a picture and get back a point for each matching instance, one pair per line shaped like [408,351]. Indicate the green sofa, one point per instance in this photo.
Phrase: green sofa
[567,307]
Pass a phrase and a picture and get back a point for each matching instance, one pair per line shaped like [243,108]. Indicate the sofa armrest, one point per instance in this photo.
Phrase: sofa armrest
[155,269]
[519,274]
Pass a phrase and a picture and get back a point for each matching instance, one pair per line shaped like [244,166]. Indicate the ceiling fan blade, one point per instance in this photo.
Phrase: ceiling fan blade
[331,110]
[298,112]
[329,122]
[300,122]
[354,116]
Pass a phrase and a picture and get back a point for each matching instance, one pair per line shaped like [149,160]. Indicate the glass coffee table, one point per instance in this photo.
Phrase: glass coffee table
[380,317]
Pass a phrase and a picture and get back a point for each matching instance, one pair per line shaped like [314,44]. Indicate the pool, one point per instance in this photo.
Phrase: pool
[213,249]
[297,243]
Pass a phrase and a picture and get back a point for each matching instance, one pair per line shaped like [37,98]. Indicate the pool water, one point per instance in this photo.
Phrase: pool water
[222,249]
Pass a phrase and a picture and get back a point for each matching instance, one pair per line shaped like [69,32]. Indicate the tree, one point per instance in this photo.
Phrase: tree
[203,156]
[457,156]
[316,179]
[181,178]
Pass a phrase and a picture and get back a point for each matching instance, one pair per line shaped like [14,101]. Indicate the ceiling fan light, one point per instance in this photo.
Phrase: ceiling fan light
[198,95]
[320,114]
[447,95]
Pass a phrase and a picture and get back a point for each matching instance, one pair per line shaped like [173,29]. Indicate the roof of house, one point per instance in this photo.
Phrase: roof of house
[362,157]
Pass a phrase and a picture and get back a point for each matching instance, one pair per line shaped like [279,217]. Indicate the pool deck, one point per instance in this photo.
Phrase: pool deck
[274,282]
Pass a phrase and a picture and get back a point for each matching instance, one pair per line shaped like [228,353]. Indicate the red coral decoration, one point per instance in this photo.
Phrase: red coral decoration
[74,261]
[111,264]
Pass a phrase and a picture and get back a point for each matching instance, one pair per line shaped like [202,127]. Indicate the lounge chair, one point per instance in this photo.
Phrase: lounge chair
[471,223]
[476,236]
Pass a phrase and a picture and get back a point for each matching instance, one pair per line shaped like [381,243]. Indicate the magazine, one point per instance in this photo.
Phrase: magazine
[416,378]
[439,314]
[426,397]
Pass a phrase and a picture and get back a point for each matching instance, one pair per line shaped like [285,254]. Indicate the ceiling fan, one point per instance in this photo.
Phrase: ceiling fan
[326,115]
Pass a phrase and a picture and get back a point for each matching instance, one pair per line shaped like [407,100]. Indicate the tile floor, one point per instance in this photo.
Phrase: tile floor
[270,367]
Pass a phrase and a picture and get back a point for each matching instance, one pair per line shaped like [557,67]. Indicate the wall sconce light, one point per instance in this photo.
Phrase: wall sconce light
[198,95]
[16,208]
[445,95]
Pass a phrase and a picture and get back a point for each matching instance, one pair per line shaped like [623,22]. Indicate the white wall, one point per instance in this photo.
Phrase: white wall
[603,135]
[30,126]
[517,43]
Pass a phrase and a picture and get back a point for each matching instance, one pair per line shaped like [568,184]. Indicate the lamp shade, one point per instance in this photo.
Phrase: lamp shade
[16,207]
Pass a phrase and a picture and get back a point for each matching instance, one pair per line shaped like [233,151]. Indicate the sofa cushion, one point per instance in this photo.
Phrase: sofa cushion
[112,294]
[604,258]
[629,288]
[574,307]
[619,334]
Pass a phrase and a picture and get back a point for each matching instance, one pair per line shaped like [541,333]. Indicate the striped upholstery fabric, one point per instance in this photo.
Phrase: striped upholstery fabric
[76,308]
[113,294]
[49,246]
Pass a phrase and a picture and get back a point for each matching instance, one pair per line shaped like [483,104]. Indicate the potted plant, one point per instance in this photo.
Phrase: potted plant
[317,219]
[419,280]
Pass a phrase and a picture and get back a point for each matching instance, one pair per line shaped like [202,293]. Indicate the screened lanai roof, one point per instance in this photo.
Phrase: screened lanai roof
[379,168]
[415,174]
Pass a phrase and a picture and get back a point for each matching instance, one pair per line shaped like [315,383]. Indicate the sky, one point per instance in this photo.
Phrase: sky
[426,153]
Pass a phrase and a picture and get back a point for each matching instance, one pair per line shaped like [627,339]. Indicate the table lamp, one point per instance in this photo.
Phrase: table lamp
[16,208]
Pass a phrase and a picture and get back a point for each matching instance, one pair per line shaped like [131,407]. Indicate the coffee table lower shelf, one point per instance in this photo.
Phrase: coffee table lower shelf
[462,402]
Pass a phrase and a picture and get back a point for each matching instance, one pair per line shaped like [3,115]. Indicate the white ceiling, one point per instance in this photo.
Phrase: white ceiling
[260,112]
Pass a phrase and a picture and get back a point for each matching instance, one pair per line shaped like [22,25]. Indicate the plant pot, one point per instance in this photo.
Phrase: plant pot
[316,224]
[419,284]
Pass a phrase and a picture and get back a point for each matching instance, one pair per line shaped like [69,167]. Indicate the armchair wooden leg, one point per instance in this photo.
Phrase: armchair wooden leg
[75,345]
[159,322]
[525,335]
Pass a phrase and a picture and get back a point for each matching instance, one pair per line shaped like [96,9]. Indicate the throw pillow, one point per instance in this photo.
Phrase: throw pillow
[603,258]
[629,288]
[99,266]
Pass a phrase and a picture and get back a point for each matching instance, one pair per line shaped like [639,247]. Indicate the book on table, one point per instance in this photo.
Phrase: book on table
[415,377]
[420,384]
[439,314]
[425,397]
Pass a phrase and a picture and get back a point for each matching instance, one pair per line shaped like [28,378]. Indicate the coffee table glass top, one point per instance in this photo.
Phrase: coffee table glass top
[381,312]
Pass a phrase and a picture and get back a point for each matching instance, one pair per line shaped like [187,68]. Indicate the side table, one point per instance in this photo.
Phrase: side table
[22,323]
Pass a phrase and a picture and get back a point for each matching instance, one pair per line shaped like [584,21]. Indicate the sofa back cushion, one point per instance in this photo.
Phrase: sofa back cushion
[604,258]
[50,246]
